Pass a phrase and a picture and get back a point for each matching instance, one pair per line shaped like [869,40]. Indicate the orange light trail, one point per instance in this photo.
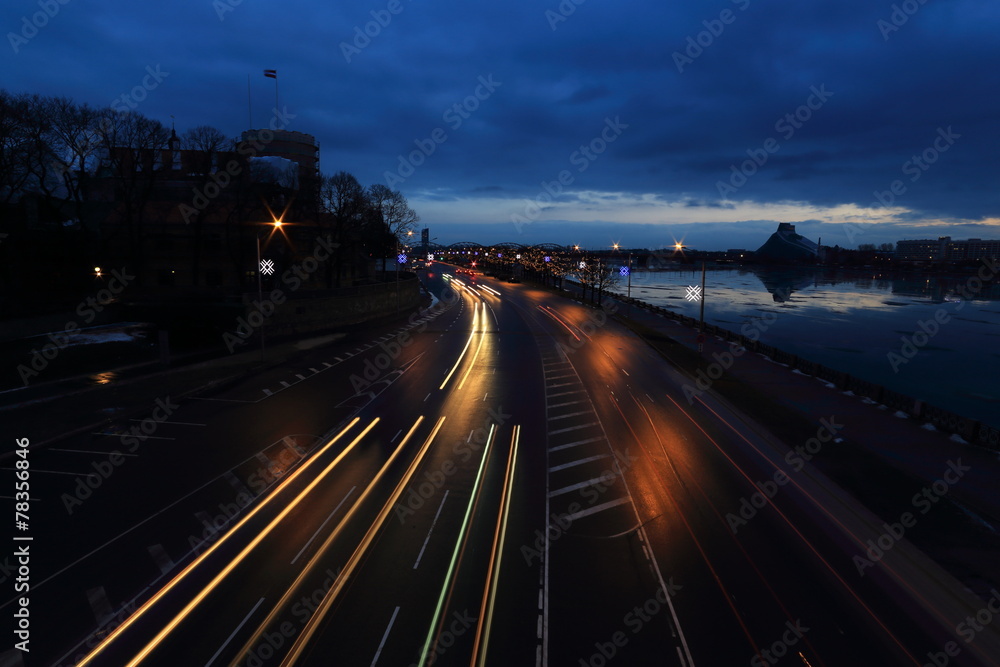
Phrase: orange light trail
[246,550]
[186,571]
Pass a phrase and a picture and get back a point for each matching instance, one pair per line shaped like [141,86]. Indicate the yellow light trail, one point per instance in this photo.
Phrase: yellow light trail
[352,563]
[475,322]
[496,556]
[458,549]
[472,364]
[190,568]
[246,550]
[290,592]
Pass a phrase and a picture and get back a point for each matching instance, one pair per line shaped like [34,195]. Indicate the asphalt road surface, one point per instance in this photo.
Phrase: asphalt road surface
[508,478]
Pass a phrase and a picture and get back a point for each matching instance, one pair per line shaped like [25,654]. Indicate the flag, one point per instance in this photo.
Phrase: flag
[271,73]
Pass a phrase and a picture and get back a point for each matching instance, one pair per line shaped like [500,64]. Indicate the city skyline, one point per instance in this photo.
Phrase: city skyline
[530,123]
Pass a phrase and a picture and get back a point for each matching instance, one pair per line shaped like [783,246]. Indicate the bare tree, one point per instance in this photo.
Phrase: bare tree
[15,173]
[205,143]
[132,150]
[394,210]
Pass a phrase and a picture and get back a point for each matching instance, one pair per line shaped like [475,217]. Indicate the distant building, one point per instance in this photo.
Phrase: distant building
[785,245]
[943,249]
[299,147]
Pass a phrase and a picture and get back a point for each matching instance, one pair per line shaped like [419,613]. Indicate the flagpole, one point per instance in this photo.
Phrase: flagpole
[249,106]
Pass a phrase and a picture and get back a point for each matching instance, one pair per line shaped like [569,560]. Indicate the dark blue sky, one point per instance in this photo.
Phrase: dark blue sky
[579,123]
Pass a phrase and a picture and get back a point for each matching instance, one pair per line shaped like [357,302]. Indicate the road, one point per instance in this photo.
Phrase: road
[510,478]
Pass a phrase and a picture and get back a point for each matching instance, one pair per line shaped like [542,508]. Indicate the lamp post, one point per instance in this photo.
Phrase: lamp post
[628,271]
[260,289]
[399,263]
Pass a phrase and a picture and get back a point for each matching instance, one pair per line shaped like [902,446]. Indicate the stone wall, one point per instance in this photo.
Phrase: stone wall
[322,310]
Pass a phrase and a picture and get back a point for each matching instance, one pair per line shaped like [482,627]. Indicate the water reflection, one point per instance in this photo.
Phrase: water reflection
[937,288]
[854,320]
[782,283]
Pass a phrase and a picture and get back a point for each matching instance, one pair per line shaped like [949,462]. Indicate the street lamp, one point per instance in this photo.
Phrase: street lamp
[276,223]
[628,270]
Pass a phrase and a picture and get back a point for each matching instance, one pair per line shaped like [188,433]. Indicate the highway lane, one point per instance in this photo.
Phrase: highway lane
[616,545]
[216,454]
[458,379]
[431,566]
[787,567]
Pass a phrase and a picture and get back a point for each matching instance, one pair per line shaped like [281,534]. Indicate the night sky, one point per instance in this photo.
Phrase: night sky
[587,123]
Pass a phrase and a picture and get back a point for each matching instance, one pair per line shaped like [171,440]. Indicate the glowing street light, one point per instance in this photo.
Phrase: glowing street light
[275,223]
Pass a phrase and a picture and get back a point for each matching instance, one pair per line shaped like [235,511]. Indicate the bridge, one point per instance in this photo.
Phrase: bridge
[640,257]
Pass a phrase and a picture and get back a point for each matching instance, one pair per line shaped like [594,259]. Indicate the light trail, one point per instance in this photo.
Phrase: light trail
[324,606]
[482,329]
[248,645]
[805,541]
[190,568]
[697,543]
[246,550]
[708,501]
[459,543]
[475,321]
[496,555]
[548,311]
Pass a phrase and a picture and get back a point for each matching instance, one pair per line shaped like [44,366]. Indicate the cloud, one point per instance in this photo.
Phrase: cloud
[686,129]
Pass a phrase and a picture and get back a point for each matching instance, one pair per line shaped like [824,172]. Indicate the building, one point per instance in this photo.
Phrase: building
[944,249]
[785,245]
[299,147]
